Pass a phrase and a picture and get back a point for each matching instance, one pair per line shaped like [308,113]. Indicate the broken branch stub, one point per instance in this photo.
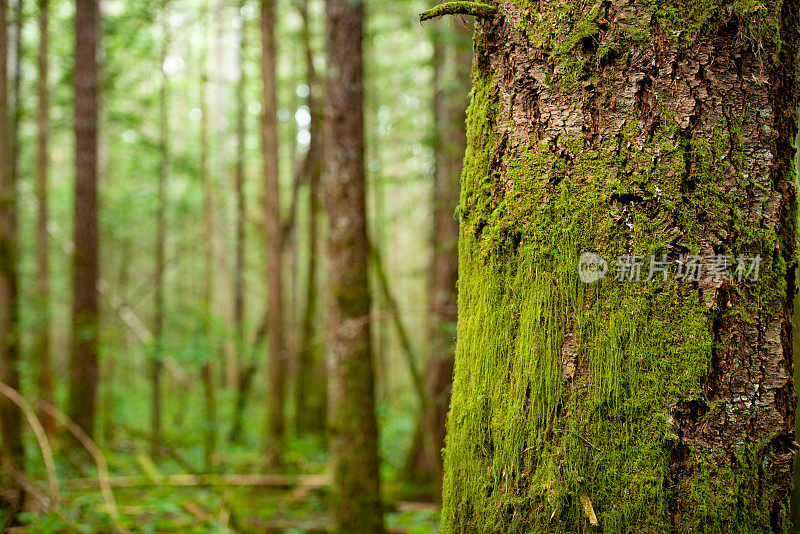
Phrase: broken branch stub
[474,9]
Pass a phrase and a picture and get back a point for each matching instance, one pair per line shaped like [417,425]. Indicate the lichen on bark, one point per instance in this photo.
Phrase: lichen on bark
[668,404]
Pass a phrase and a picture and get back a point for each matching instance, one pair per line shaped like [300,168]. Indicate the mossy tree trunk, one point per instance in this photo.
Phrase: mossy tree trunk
[640,128]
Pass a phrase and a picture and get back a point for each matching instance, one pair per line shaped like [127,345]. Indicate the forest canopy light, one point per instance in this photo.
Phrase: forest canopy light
[458,8]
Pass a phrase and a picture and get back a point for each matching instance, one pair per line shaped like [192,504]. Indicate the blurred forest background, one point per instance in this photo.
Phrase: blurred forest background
[183,382]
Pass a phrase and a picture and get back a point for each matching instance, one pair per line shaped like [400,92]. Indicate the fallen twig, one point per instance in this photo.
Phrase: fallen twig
[282,481]
[100,461]
[41,436]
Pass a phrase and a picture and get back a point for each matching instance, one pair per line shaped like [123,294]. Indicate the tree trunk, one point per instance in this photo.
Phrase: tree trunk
[16,108]
[41,345]
[206,372]
[351,397]
[85,317]
[310,393]
[272,229]
[161,243]
[452,59]
[11,453]
[238,270]
[650,129]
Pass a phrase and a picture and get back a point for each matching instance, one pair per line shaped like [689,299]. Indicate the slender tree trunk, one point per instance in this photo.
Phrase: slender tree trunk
[310,392]
[161,243]
[16,108]
[647,133]
[11,453]
[452,59]
[351,391]
[272,217]
[85,316]
[238,285]
[245,383]
[290,245]
[380,329]
[206,372]
[41,344]
[242,372]
[110,363]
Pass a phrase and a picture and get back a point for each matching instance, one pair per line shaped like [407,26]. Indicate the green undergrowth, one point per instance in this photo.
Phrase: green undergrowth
[564,390]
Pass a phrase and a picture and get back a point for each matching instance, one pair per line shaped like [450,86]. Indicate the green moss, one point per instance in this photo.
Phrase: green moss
[474,9]
[687,20]
[579,40]
[525,440]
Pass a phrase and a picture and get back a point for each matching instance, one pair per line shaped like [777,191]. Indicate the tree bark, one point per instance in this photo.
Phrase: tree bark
[206,372]
[161,243]
[310,392]
[83,370]
[238,276]
[41,345]
[660,405]
[272,230]
[11,452]
[351,397]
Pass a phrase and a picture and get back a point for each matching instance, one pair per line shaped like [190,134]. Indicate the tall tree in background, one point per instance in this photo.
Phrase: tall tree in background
[11,451]
[83,371]
[206,372]
[238,270]
[452,59]
[16,80]
[161,238]
[310,391]
[650,133]
[41,345]
[353,434]
[272,226]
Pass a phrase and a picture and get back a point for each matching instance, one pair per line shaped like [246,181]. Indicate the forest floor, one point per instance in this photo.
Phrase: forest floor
[176,493]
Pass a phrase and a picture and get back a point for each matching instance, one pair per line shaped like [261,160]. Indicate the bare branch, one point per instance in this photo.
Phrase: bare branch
[474,9]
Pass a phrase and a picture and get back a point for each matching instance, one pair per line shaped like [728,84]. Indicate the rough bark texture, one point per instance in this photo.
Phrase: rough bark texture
[352,428]
[630,127]
[40,352]
[272,230]
[83,370]
[11,453]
